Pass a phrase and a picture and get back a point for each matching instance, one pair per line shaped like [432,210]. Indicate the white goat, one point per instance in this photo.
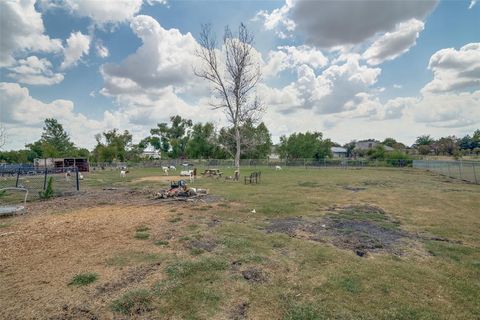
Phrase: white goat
[123,173]
[278,168]
[165,170]
[186,172]
[173,168]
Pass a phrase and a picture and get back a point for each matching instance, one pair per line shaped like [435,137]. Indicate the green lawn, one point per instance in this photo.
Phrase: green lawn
[305,279]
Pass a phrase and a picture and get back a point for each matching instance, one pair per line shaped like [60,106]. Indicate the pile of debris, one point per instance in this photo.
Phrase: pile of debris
[179,190]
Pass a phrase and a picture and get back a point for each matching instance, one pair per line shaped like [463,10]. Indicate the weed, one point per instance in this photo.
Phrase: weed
[83,279]
[161,243]
[48,192]
[302,312]
[133,302]
[350,284]
[142,235]
[187,268]
[142,228]
[196,251]
[176,219]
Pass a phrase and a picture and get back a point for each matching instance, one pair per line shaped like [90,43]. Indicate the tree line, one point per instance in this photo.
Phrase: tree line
[181,138]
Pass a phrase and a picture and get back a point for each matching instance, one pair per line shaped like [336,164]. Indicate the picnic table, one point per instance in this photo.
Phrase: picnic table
[212,173]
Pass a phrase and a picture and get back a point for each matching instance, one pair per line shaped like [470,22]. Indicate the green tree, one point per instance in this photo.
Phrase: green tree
[115,147]
[304,145]
[202,142]
[446,145]
[173,139]
[54,142]
[389,142]
[256,141]
[424,140]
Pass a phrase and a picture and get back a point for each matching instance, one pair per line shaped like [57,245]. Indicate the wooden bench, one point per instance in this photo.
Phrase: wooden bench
[255,177]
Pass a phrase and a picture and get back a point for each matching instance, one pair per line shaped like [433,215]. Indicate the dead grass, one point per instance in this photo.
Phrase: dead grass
[216,260]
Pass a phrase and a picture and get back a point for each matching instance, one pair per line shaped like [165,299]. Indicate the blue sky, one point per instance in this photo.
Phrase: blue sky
[352,70]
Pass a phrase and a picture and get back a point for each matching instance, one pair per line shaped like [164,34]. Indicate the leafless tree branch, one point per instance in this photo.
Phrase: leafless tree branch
[233,76]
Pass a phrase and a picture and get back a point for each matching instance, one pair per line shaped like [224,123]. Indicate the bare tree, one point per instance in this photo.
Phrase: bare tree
[234,72]
[3,135]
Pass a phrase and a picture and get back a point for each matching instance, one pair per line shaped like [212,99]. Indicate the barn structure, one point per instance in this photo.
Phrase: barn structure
[63,164]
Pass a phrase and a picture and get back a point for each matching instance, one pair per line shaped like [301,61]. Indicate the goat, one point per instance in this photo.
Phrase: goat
[191,176]
[186,172]
[80,176]
[165,170]
[173,168]
[123,173]
[278,168]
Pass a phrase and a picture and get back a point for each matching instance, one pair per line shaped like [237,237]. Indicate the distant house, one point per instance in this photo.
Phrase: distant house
[339,152]
[151,153]
[274,155]
[370,144]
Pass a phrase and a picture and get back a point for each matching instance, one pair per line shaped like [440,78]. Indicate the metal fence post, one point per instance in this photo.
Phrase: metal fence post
[78,180]
[474,173]
[18,176]
[45,179]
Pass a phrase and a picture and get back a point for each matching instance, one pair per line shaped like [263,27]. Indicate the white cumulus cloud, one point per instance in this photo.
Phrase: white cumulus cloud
[78,45]
[22,30]
[392,44]
[34,71]
[455,70]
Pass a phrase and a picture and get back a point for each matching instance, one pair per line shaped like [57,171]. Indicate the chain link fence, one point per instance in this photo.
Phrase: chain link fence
[64,180]
[254,163]
[463,170]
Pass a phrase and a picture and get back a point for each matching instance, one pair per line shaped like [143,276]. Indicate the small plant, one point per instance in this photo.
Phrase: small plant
[196,251]
[142,235]
[142,228]
[176,219]
[303,312]
[161,243]
[133,302]
[48,192]
[83,279]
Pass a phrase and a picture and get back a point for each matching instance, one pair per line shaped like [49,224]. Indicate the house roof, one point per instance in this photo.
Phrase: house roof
[339,150]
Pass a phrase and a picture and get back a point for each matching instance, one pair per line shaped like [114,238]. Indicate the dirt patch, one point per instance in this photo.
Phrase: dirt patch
[240,311]
[206,245]
[76,312]
[254,275]
[285,225]
[360,228]
[133,276]
[214,222]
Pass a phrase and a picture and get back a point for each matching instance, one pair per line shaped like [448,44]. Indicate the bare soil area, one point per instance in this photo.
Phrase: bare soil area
[42,252]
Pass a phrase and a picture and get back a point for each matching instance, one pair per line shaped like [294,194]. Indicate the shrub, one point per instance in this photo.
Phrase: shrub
[142,235]
[133,302]
[83,279]
[48,192]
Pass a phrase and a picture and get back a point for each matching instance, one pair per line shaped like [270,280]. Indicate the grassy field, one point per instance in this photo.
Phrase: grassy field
[321,244]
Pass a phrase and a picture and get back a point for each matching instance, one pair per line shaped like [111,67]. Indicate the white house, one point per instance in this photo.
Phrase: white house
[150,153]
[339,152]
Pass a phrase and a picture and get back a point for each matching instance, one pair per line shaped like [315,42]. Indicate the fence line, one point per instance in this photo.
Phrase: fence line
[462,170]
[64,180]
[254,163]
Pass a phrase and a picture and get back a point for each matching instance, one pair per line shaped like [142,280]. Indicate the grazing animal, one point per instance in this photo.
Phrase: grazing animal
[186,172]
[278,168]
[123,173]
[165,170]
[191,176]
[172,168]
[80,176]
[67,175]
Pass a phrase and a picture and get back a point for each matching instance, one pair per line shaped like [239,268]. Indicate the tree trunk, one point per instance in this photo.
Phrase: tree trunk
[237,153]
